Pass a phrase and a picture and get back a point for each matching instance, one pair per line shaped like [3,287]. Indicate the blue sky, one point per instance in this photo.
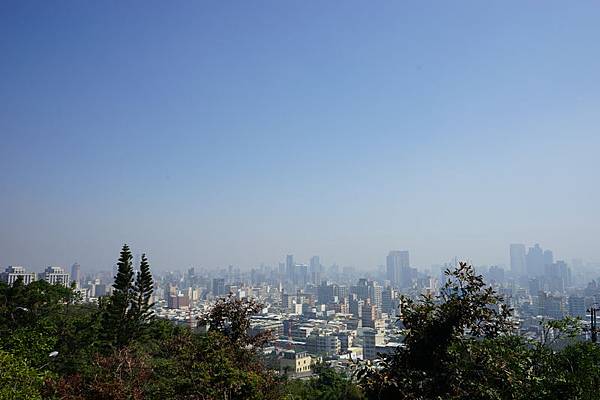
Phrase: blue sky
[216,133]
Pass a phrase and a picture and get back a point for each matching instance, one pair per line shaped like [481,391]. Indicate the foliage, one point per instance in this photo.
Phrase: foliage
[141,307]
[18,381]
[459,345]
[436,328]
[117,315]
[327,385]
[231,317]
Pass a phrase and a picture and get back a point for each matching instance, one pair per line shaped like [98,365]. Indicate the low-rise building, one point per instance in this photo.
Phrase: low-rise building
[293,363]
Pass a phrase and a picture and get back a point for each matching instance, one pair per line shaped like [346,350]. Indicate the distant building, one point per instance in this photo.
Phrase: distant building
[314,270]
[371,339]
[293,363]
[517,259]
[178,301]
[369,315]
[397,267]
[577,307]
[55,276]
[495,274]
[218,287]
[320,343]
[289,266]
[388,303]
[375,294]
[548,257]
[76,274]
[550,306]
[11,274]
[535,261]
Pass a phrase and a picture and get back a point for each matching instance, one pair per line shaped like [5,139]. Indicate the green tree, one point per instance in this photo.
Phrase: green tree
[328,384]
[18,381]
[436,329]
[117,317]
[141,307]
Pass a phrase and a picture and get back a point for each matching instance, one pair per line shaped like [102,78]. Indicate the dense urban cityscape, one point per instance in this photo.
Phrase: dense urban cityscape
[340,315]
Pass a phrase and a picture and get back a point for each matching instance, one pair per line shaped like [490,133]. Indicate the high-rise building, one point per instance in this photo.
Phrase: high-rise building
[398,267]
[12,273]
[548,257]
[388,297]
[517,259]
[535,261]
[577,307]
[369,315]
[325,293]
[76,274]
[289,266]
[218,287]
[361,290]
[314,270]
[550,306]
[375,294]
[300,275]
[55,276]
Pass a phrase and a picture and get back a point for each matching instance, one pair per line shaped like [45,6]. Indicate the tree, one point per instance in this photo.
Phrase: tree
[141,308]
[327,385]
[437,329]
[231,317]
[117,317]
[18,381]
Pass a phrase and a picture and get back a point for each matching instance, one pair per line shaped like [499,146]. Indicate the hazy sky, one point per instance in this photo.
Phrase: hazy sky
[216,133]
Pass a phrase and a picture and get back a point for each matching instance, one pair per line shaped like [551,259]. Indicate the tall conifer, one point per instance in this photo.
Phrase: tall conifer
[117,319]
[143,289]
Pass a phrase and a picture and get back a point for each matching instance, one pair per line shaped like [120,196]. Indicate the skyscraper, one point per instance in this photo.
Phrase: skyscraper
[314,270]
[517,259]
[548,257]
[535,260]
[397,267]
[76,274]
[218,287]
[289,266]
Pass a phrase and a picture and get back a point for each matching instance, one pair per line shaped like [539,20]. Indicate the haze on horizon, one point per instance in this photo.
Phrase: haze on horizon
[234,133]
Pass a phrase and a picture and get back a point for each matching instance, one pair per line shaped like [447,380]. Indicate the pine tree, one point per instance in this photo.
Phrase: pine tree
[117,320]
[141,311]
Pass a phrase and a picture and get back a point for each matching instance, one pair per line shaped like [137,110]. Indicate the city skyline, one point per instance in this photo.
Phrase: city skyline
[396,266]
[208,134]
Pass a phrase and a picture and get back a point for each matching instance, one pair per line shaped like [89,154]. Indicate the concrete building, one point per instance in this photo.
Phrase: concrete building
[369,315]
[76,274]
[218,287]
[577,307]
[293,363]
[371,339]
[535,261]
[323,343]
[178,301]
[12,273]
[55,276]
[517,259]
[397,267]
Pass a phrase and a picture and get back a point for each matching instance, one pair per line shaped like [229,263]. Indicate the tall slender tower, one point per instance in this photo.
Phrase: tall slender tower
[76,274]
